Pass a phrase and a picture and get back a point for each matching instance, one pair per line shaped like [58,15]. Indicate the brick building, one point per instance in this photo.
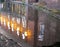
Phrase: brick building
[47,25]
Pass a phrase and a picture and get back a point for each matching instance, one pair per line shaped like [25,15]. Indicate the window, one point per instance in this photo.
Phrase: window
[41,34]
[4,22]
[12,27]
[42,26]
[23,36]
[18,20]
[8,25]
[18,31]
[24,22]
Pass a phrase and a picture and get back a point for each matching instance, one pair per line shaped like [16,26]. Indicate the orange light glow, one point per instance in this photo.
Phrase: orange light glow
[20,27]
[29,34]
[25,34]
[15,26]
[18,31]
[2,19]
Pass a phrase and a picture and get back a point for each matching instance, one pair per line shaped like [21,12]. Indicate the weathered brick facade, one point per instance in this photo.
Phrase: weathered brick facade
[51,26]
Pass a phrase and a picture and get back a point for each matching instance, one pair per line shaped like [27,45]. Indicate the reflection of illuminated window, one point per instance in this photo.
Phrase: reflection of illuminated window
[41,35]
[24,21]
[42,28]
[23,36]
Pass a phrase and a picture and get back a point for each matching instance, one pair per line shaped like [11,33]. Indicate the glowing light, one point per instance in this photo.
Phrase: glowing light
[29,34]
[12,27]
[1,21]
[4,22]
[23,36]
[13,19]
[25,33]
[21,28]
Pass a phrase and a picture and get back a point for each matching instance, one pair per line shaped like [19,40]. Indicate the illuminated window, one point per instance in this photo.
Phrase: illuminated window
[24,22]
[18,31]
[8,16]
[13,19]
[18,20]
[8,25]
[12,27]
[25,33]
[4,22]
[1,21]
[23,36]
[42,26]
[40,37]
[12,7]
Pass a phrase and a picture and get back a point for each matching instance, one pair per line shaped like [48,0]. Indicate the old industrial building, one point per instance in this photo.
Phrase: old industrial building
[30,23]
